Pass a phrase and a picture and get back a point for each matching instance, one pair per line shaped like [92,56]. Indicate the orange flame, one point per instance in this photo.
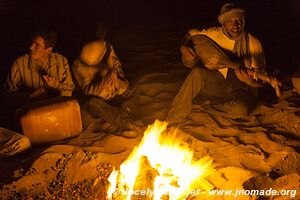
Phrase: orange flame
[174,171]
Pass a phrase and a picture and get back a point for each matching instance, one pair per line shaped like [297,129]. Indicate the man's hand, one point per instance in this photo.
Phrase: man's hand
[123,86]
[110,85]
[112,80]
[51,81]
[189,56]
[188,52]
[243,76]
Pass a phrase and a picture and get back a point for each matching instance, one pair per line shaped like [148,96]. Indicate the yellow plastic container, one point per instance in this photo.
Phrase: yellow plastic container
[51,120]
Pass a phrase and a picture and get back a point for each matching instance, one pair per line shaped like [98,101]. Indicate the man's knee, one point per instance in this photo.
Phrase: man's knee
[197,71]
[202,73]
[240,109]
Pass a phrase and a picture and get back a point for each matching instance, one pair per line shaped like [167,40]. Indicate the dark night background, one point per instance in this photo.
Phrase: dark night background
[275,23]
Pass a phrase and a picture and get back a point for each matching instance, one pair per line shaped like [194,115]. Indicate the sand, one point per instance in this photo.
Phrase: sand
[258,152]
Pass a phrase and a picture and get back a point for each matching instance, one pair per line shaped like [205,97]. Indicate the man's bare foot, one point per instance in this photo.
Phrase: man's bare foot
[130,134]
[133,129]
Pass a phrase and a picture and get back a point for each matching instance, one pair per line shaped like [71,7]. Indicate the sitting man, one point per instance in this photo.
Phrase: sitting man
[227,86]
[104,91]
[38,74]
[34,76]
[296,82]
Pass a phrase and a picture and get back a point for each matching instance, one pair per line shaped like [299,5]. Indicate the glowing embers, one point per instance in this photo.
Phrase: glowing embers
[160,167]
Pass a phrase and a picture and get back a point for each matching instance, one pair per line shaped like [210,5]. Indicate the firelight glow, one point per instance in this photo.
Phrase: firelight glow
[162,164]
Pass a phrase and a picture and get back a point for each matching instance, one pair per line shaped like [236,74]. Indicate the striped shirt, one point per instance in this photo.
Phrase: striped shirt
[27,76]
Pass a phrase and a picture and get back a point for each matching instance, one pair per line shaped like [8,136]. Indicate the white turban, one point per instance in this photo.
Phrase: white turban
[229,10]
[92,53]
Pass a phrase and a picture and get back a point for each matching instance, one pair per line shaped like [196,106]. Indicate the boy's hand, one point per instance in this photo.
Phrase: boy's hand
[51,81]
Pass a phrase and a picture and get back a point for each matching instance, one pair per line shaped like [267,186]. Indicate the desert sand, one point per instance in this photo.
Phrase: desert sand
[258,152]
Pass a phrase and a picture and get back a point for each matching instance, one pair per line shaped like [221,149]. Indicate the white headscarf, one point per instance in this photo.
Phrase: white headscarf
[241,47]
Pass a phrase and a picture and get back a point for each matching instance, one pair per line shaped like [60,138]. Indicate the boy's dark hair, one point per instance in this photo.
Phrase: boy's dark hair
[50,37]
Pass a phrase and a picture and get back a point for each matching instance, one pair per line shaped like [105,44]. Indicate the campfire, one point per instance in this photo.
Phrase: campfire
[162,166]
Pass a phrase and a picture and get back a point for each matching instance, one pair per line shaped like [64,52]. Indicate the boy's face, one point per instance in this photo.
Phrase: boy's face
[38,48]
